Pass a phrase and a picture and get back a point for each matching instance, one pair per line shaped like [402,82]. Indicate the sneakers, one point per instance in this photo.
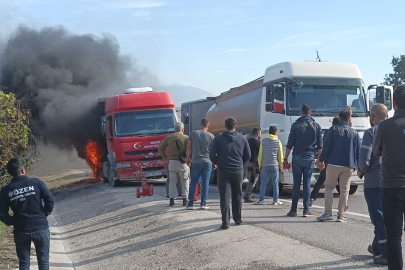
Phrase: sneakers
[238,222]
[224,227]
[179,197]
[380,260]
[292,213]
[277,203]
[325,217]
[167,198]
[311,202]
[259,202]
[307,214]
[248,200]
[190,207]
[341,219]
[172,202]
[204,206]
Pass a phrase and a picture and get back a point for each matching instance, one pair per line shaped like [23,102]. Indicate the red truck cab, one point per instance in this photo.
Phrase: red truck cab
[134,125]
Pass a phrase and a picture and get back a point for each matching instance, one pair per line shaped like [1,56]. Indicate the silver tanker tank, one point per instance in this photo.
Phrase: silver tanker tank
[245,108]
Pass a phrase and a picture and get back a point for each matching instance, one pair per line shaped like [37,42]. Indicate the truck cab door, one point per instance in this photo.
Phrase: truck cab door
[381,94]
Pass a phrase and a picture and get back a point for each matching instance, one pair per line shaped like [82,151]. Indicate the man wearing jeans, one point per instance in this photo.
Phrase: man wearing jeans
[370,167]
[199,143]
[389,142]
[31,202]
[341,150]
[306,139]
[230,151]
[270,164]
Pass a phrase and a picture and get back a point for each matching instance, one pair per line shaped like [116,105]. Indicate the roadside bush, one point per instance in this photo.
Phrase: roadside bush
[15,138]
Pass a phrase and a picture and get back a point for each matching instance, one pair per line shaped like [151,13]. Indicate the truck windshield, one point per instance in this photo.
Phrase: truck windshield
[144,123]
[327,98]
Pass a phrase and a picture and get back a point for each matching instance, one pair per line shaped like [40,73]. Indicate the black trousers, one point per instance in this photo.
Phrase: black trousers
[230,186]
[394,209]
[318,184]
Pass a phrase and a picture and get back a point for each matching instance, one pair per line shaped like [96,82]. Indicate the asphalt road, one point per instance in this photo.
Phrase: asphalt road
[102,227]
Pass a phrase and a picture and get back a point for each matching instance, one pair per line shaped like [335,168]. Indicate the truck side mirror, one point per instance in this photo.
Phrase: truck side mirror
[109,118]
[103,126]
[185,118]
[379,94]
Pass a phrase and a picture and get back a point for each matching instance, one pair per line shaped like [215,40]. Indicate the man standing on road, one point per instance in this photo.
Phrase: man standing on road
[199,143]
[341,151]
[252,165]
[270,164]
[178,185]
[230,151]
[322,174]
[389,142]
[31,202]
[306,139]
[370,167]
[179,171]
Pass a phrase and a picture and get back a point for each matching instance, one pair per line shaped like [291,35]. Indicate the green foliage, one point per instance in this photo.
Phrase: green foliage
[14,133]
[398,77]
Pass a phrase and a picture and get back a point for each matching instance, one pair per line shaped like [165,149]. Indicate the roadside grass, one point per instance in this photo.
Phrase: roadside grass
[54,182]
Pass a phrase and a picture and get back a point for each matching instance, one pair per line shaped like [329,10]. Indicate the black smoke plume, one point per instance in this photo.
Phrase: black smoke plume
[61,76]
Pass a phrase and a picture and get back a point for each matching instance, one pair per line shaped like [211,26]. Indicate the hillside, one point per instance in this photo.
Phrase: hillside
[183,93]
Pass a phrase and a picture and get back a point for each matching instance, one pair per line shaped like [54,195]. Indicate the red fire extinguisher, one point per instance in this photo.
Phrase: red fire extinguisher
[138,193]
[144,187]
[150,190]
[197,191]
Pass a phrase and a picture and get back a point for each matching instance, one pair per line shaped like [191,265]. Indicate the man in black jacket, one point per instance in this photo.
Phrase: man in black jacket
[31,202]
[389,142]
[230,151]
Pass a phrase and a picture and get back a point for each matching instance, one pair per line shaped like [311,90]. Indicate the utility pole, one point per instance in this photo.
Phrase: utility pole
[317,56]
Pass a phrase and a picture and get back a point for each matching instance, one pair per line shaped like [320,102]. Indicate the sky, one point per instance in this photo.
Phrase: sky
[215,45]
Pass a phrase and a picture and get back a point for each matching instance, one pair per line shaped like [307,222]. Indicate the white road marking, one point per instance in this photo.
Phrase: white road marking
[316,206]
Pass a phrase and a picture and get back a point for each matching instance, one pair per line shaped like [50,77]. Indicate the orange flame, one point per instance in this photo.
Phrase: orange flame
[93,158]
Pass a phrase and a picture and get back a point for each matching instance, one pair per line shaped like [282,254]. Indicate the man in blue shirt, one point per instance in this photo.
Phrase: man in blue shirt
[370,167]
[306,139]
[31,202]
[341,151]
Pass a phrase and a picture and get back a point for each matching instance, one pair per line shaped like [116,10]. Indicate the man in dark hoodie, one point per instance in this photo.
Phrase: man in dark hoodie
[31,202]
[389,142]
[230,151]
[306,139]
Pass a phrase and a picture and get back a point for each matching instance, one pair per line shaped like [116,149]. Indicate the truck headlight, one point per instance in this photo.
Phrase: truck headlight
[123,165]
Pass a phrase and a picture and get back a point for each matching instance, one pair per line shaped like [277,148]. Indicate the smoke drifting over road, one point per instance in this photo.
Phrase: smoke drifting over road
[63,75]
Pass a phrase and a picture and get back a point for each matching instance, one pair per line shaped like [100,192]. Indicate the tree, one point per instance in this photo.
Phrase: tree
[398,77]
[15,136]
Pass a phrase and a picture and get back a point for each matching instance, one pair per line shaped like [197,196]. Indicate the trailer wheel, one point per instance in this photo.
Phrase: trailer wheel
[353,189]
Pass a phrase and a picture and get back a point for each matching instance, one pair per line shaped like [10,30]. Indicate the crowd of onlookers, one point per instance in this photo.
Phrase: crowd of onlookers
[379,158]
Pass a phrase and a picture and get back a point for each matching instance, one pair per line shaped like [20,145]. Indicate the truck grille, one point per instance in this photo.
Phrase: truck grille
[152,159]
[153,169]
[140,153]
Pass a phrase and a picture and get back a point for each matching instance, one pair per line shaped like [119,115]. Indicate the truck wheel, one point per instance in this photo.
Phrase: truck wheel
[353,189]
[105,172]
[280,188]
[113,182]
